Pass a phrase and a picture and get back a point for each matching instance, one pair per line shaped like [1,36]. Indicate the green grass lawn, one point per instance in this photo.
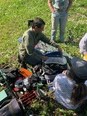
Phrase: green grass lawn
[13,22]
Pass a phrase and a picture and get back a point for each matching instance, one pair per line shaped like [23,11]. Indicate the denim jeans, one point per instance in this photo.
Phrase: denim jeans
[33,59]
[59,18]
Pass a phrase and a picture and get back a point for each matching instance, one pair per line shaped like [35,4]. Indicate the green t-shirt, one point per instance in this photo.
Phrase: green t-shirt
[29,40]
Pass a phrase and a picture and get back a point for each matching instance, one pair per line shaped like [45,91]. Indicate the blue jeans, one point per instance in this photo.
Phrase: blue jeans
[59,18]
[33,59]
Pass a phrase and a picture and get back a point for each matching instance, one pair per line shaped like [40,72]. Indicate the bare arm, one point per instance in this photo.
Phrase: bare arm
[56,45]
[49,41]
[50,5]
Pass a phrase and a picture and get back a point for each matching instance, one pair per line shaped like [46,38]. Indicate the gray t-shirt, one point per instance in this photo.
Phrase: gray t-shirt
[30,39]
[63,87]
[61,4]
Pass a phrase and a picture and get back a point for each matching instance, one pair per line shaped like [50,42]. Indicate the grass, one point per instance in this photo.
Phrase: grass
[15,13]
[13,22]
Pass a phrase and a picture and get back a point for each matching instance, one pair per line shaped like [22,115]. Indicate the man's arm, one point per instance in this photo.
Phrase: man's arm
[49,41]
[50,5]
[55,45]
[70,4]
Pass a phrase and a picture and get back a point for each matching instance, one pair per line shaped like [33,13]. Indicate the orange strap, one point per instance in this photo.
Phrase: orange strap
[25,72]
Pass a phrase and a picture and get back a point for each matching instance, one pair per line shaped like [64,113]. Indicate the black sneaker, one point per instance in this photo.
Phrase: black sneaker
[24,65]
[60,41]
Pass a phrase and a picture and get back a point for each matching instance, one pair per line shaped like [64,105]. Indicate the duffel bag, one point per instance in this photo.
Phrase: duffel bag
[11,108]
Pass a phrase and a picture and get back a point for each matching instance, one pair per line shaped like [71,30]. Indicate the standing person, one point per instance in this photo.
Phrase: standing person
[59,10]
[83,46]
[31,37]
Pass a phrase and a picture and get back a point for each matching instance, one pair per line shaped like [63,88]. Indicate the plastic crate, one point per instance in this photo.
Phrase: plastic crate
[28,97]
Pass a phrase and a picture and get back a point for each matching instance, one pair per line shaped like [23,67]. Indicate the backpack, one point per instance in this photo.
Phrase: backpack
[50,68]
[79,67]
[9,105]
[11,108]
[57,64]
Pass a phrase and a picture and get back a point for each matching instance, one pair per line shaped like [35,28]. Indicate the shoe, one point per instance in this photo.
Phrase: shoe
[66,42]
[23,65]
[60,41]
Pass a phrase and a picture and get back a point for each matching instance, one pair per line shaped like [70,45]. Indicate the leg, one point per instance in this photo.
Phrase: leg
[55,21]
[35,58]
[62,25]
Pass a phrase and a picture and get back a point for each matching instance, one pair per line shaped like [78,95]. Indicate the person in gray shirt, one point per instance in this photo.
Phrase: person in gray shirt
[27,52]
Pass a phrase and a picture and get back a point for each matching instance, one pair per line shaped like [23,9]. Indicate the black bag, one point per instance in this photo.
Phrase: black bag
[11,108]
[51,67]
[56,64]
[9,105]
[11,74]
[79,67]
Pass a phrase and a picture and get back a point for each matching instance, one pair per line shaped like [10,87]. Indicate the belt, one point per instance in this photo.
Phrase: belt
[58,9]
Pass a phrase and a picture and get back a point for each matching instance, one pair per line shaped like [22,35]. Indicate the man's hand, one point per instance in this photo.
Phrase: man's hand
[56,45]
[70,4]
[59,49]
[64,72]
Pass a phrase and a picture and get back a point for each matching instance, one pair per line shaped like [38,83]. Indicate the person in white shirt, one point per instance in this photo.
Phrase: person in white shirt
[83,46]
[68,92]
